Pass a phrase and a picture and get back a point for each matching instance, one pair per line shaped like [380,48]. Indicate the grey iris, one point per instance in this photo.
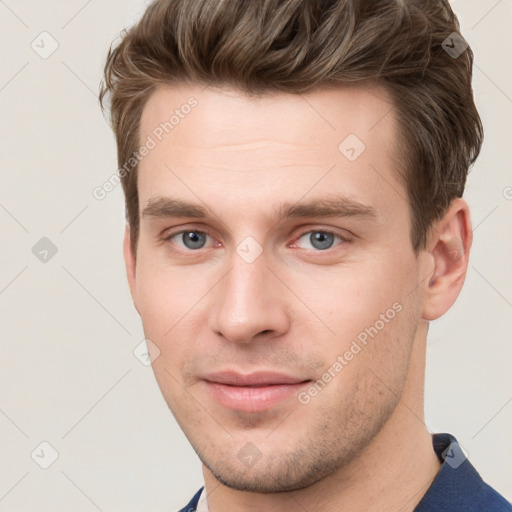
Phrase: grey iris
[193,239]
[321,240]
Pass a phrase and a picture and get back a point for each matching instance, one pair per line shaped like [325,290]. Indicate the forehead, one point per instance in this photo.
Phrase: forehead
[221,141]
[227,116]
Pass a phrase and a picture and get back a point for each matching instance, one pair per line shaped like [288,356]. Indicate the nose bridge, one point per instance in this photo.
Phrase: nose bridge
[247,281]
[247,304]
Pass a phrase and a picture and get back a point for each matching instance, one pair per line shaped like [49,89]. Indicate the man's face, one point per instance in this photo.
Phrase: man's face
[285,333]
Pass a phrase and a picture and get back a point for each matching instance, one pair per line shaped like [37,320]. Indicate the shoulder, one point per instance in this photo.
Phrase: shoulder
[458,487]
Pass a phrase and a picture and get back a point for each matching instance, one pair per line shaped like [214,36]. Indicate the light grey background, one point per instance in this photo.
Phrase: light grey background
[68,375]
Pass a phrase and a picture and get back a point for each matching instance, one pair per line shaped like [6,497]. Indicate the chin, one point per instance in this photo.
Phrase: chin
[268,482]
[279,472]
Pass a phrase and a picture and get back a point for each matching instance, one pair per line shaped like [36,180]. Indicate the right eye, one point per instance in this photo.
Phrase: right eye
[188,240]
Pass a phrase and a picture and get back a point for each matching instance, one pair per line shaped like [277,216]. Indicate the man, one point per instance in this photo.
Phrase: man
[293,173]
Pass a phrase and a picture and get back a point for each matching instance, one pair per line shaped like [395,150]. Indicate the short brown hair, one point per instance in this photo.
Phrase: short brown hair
[294,46]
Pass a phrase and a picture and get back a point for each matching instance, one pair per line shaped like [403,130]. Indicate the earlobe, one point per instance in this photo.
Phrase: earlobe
[130,264]
[450,243]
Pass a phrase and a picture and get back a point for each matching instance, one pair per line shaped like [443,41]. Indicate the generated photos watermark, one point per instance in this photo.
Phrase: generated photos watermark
[152,141]
[358,344]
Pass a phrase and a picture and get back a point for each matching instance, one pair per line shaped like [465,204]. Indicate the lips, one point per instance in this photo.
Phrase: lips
[253,392]
[257,379]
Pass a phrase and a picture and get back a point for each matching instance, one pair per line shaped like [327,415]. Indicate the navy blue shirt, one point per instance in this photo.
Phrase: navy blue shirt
[457,486]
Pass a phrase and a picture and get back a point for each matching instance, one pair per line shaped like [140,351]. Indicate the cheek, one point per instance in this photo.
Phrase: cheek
[373,310]
[352,299]
[162,309]
[165,295]
[369,360]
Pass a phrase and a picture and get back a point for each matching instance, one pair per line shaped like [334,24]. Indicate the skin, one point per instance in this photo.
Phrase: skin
[361,442]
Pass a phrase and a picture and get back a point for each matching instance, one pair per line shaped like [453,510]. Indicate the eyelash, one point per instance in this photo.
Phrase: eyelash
[343,239]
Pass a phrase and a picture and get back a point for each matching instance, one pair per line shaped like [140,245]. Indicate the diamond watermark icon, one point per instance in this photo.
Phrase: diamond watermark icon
[146,352]
[44,250]
[248,249]
[44,455]
[454,45]
[351,147]
[454,455]
[44,45]
[249,454]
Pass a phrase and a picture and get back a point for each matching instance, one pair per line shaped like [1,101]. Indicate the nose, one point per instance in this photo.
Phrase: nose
[250,303]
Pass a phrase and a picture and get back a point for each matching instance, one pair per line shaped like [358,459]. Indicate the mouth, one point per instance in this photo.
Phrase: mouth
[253,392]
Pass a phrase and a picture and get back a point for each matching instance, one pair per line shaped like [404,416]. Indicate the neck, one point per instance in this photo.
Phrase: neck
[393,472]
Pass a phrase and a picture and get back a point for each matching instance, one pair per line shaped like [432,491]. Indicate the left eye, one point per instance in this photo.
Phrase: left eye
[320,240]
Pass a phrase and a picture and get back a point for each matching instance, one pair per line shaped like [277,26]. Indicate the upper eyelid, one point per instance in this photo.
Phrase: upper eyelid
[328,231]
[171,234]
[310,224]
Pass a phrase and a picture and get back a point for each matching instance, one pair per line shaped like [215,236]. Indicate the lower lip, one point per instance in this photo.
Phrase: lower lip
[253,399]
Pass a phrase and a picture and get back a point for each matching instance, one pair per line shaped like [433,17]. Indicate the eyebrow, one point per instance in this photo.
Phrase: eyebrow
[167,207]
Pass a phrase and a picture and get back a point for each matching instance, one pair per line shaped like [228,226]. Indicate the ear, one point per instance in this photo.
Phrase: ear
[448,246]
[130,263]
